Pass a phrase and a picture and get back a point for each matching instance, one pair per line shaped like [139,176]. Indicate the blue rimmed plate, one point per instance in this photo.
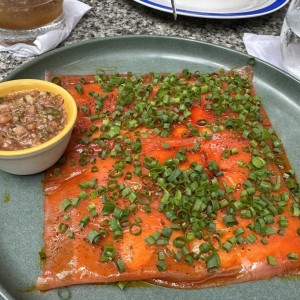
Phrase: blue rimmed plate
[218,9]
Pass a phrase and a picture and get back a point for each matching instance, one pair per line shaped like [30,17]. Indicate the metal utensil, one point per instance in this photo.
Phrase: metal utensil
[174,9]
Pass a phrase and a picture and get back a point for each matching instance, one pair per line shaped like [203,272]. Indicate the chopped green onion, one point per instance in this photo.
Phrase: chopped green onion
[161,266]
[150,240]
[283,221]
[79,89]
[42,255]
[293,256]
[135,229]
[179,242]
[65,204]
[56,80]
[230,220]
[271,260]
[75,201]
[108,208]
[258,162]
[71,235]
[166,146]
[84,221]
[213,262]
[120,265]
[108,253]
[57,171]
[62,227]
[93,236]
[251,238]
[122,284]
[161,255]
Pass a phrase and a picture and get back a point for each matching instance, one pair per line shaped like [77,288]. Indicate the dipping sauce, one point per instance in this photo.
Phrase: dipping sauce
[30,118]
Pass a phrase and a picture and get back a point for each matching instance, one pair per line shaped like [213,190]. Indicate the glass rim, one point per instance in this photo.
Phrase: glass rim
[24,4]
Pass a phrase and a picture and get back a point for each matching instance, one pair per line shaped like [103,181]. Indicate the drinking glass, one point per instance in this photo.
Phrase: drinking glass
[24,20]
[290,39]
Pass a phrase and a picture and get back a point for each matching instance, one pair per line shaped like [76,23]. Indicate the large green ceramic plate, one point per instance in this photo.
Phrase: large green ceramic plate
[21,202]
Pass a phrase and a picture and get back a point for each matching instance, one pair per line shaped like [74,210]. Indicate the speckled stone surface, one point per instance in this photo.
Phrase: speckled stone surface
[125,17]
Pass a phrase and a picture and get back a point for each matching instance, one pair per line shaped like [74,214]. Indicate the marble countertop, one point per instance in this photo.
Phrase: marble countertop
[126,17]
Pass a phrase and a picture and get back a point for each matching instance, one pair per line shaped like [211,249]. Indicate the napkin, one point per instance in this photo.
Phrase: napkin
[73,10]
[265,47]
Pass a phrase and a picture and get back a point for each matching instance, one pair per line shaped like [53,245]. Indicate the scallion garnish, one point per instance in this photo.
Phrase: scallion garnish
[65,204]
[120,265]
[62,227]
[293,256]
[271,260]
[161,266]
[83,221]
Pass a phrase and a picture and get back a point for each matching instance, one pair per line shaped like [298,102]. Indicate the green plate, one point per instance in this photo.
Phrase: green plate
[21,201]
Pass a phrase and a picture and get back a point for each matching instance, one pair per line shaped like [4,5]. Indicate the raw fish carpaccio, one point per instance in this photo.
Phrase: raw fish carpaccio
[175,179]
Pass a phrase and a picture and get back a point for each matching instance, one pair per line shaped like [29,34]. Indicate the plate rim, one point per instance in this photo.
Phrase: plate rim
[274,6]
[11,75]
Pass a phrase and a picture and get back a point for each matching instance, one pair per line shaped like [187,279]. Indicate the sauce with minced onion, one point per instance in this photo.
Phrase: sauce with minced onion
[30,118]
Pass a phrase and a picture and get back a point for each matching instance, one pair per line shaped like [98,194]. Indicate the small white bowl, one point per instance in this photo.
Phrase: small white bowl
[38,158]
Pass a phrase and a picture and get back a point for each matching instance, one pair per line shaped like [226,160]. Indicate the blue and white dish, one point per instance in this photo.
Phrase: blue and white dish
[217,9]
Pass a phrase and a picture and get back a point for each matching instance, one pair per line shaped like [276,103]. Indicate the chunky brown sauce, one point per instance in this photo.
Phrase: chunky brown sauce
[30,118]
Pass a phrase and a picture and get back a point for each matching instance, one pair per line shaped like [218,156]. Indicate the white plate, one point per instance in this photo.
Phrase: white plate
[218,9]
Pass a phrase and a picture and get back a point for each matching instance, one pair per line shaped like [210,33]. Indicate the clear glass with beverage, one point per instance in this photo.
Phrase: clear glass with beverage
[290,39]
[24,20]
